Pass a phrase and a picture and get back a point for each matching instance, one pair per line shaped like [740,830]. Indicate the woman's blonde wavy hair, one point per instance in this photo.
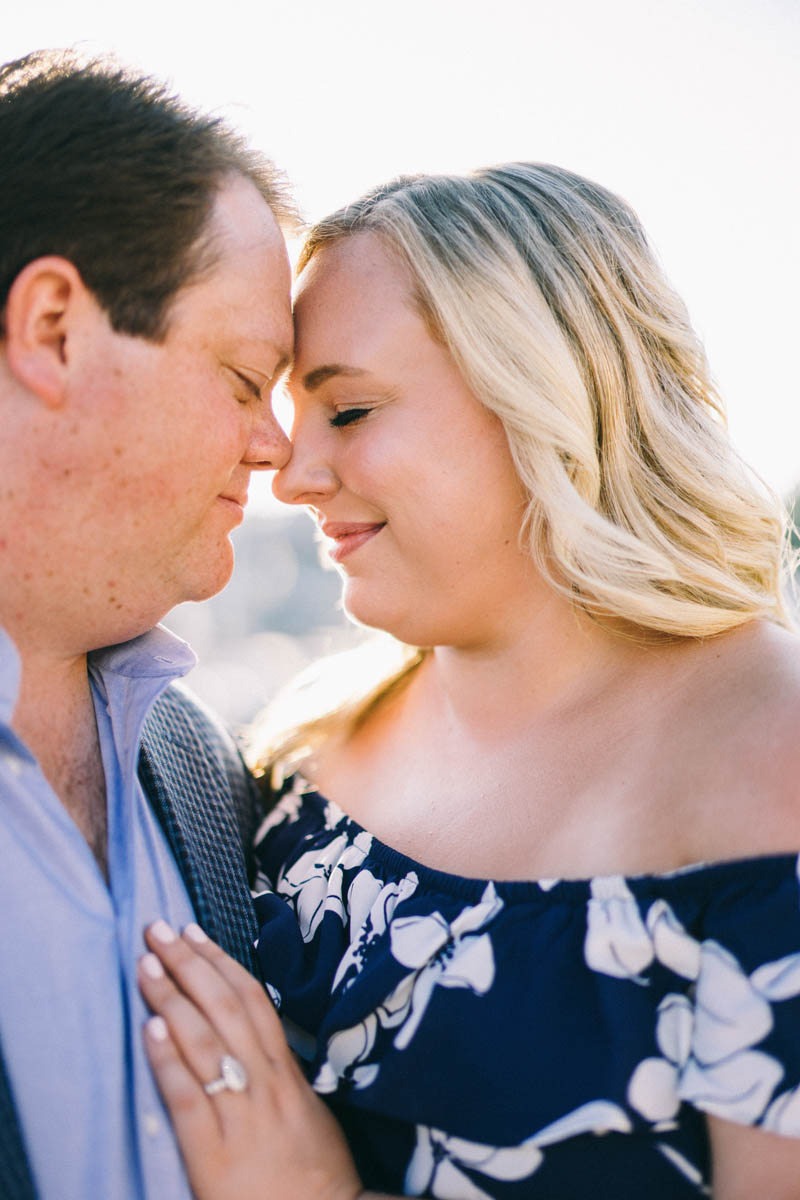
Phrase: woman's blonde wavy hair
[545,291]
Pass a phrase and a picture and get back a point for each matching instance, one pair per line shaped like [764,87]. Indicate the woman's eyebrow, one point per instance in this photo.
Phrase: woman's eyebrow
[284,364]
[315,379]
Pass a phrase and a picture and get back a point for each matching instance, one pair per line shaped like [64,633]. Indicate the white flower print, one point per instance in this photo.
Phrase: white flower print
[439,1160]
[371,904]
[597,1116]
[616,942]
[707,1046]
[725,1076]
[672,945]
[738,1088]
[440,954]
[444,955]
[686,1168]
[286,810]
[783,1114]
[346,1048]
[547,885]
[730,1014]
[619,943]
[674,1028]
[778,980]
[653,1086]
[332,815]
[314,882]
[653,1091]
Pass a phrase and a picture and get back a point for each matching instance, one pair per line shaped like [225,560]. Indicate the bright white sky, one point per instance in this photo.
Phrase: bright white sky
[687,108]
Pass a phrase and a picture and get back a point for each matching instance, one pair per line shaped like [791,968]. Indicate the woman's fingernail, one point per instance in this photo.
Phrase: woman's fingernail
[151,966]
[161,931]
[157,1028]
[194,933]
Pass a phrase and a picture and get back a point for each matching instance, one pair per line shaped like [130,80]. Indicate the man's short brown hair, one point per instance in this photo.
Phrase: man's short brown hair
[113,172]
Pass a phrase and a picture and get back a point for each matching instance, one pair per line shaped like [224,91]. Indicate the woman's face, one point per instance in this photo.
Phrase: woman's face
[408,476]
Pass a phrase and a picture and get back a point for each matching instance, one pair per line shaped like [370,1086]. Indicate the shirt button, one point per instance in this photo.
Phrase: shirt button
[152,1125]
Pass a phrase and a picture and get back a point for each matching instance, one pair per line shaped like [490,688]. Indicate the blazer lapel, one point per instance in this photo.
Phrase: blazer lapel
[205,840]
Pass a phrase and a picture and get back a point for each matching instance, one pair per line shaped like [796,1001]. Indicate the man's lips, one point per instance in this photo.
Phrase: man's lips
[348,536]
[236,503]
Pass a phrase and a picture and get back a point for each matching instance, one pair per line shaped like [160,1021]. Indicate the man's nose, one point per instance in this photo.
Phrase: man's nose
[268,449]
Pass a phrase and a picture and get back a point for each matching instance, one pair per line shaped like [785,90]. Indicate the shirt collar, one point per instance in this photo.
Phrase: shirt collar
[156,654]
[127,680]
[153,655]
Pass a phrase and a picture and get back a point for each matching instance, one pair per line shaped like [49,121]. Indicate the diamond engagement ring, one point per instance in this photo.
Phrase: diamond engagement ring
[232,1077]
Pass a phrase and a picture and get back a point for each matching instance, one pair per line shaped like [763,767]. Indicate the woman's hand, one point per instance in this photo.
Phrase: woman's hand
[274,1139]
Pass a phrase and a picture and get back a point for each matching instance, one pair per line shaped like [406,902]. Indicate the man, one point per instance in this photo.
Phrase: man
[145,317]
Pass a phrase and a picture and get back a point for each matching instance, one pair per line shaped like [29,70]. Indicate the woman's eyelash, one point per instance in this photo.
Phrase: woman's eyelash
[347,416]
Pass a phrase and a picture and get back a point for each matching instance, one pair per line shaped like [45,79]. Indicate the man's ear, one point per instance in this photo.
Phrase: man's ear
[42,304]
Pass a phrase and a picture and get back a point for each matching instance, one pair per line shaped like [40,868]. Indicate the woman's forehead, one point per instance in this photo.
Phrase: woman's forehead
[359,263]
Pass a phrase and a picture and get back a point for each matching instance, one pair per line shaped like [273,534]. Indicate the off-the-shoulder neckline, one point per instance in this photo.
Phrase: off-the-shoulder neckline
[608,885]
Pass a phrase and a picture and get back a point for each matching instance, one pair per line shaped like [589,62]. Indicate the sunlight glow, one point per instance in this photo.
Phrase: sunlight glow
[688,109]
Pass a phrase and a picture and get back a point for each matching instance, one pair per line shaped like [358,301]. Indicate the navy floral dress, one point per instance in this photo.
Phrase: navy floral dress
[553,1039]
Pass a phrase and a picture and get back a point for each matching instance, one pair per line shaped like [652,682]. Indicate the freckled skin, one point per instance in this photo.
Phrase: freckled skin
[122,480]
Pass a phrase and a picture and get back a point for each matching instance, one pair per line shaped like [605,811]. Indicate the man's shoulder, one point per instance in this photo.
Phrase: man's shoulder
[191,765]
[180,718]
[191,750]
[209,806]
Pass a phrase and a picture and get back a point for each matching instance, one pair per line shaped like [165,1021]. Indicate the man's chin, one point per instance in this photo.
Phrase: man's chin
[210,579]
[189,582]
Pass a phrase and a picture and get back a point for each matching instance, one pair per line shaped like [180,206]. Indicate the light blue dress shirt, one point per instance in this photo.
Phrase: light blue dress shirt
[70,1012]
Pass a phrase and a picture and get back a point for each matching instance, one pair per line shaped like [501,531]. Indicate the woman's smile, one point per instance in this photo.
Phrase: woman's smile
[349,536]
[419,457]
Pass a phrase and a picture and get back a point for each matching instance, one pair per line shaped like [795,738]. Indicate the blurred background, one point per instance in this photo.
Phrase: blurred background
[687,108]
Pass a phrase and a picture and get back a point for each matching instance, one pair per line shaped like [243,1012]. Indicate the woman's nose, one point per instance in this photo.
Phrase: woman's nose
[306,478]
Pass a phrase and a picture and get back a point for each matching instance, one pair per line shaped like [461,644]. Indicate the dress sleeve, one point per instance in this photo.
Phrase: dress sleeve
[742,1059]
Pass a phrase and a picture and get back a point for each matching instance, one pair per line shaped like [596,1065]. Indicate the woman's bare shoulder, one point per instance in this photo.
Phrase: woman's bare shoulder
[740,734]
[757,681]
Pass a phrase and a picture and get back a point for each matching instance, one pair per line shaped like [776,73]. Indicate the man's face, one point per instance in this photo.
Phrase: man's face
[176,427]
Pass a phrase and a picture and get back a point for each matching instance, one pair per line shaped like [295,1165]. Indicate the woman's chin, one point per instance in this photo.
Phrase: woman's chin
[402,625]
[364,607]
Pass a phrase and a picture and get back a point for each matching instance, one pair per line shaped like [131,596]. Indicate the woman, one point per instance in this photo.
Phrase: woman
[530,903]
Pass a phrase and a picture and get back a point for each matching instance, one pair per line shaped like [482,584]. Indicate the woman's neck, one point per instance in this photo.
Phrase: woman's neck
[556,664]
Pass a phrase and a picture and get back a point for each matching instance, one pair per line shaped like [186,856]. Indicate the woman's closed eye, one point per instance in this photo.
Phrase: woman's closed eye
[347,416]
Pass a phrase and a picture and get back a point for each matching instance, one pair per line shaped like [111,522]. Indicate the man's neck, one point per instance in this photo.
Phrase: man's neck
[55,718]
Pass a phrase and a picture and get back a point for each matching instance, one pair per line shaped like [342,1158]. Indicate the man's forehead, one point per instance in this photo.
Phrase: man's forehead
[271,353]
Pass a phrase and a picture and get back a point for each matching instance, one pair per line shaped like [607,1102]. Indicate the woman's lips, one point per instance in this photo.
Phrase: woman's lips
[349,536]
